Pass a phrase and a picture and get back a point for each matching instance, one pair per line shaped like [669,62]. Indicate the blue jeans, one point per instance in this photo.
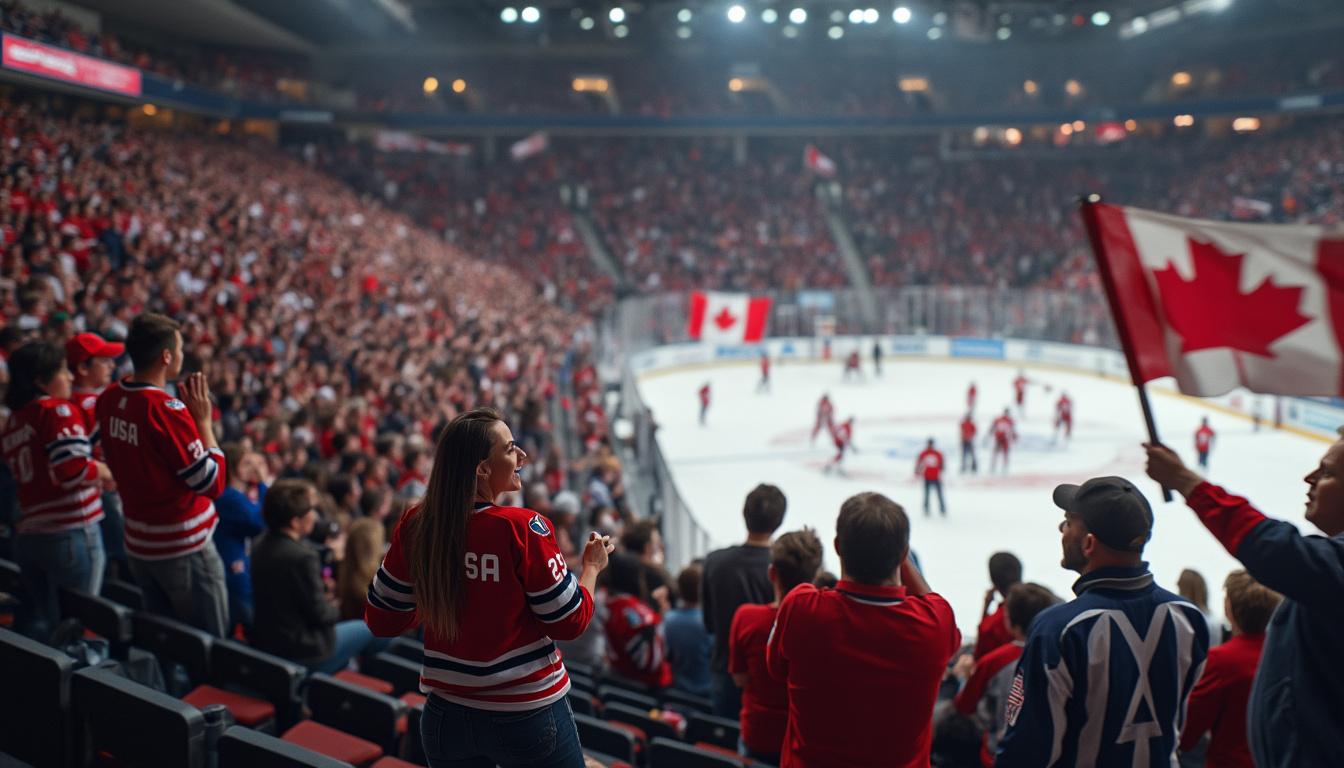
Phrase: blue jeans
[937,487]
[461,737]
[352,638]
[50,561]
[726,696]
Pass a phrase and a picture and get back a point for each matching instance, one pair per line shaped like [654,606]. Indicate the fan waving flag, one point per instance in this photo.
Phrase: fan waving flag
[816,162]
[1219,305]
[727,317]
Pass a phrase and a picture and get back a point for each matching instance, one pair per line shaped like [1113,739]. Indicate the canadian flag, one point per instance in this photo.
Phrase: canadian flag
[727,317]
[532,145]
[1219,305]
[816,162]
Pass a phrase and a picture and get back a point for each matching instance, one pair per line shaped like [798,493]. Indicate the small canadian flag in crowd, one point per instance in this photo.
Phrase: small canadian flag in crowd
[532,145]
[816,162]
[1220,305]
[727,317]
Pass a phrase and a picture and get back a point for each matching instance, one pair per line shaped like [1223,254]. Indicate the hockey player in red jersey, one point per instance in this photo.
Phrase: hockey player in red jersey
[929,465]
[970,398]
[1204,442]
[490,623]
[825,416]
[852,366]
[1064,416]
[169,469]
[764,384]
[968,444]
[1020,391]
[46,446]
[704,402]
[1003,433]
[843,437]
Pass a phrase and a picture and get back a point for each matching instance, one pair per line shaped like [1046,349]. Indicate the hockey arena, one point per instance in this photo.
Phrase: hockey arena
[755,436]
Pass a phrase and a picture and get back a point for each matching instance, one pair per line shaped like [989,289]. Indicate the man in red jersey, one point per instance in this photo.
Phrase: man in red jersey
[1204,442]
[1004,434]
[843,437]
[92,360]
[795,559]
[967,427]
[930,466]
[1064,416]
[825,416]
[168,469]
[863,661]
[971,392]
[1218,702]
[1020,391]
[852,366]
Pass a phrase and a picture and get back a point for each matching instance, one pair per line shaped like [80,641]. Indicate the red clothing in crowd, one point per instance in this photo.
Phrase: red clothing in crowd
[1218,702]
[993,631]
[636,645]
[1003,431]
[967,430]
[985,669]
[765,700]
[863,664]
[930,463]
[1203,439]
[47,449]
[1020,388]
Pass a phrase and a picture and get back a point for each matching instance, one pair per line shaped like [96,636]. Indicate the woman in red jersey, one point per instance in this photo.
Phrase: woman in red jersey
[493,592]
[60,500]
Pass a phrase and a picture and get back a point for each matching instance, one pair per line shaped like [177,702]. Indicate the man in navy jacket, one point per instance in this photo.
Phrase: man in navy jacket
[1296,711]
[1104,678]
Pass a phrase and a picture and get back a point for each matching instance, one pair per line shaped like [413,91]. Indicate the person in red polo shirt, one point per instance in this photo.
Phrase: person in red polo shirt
[795,559]
[930,466]
[1218,702]
[863,661]
[1005,570]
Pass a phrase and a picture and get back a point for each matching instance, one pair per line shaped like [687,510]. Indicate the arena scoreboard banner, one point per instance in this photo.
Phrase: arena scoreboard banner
[48,61]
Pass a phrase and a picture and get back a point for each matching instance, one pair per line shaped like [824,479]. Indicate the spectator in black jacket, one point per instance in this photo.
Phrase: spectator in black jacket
[295,615]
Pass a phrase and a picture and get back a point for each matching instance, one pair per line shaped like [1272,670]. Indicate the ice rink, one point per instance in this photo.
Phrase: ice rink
[753,437]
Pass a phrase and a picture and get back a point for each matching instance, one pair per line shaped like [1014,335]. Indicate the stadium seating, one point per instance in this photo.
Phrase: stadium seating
[610,694]
[404,675]
[124,593]
[718,731]
[110,621]
[173,642]
[35,714]
[259,690]
[242,747]
[668,753]
[348,722]
[616,712]
[133,724]
[607,739]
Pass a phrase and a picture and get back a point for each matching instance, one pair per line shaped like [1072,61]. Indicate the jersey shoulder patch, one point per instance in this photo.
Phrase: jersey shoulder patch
[63,410]
[538,525]
[173,404]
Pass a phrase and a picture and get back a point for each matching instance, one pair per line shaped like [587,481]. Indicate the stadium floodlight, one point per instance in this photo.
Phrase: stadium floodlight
[531,15]
[616,15]
[798,16]
[684,15]
[835,33]
[1101,18]
[508,15]
[870,16]
[837,17]
[684,32]
[1004,33]
[790,31]
[940,18]
[459,85]
[769,16]
[856,16]
[587,23]
[935,33]
[737,14]
[621,30]
[901,15]
[430,85]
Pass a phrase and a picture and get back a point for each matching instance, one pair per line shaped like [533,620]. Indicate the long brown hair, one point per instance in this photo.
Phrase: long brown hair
[364,544]
[438,533]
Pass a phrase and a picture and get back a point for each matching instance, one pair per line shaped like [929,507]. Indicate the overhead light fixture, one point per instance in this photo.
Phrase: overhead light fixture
[901,15]
[935,33]
[1131,125]
[1101,19]
[837,17]
[1066,129]
[1246,124]
[459,85]
[735,84]
[508,15]
[1078,126]
[940,18]
[798,16]
[621,30]
[790,31]
[1183,121]
[769,16]
[835,33]
[856,16]
[1030,87]
[616,15]
[870,16]
[737,14]
[1012,136]
[1004,33]
[531,15]
[684,32]
[430,85]
[1180,79]
[587,23]
[684,15]
[1073,87]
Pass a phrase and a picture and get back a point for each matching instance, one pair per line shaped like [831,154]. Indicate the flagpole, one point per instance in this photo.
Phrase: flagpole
[1087,206]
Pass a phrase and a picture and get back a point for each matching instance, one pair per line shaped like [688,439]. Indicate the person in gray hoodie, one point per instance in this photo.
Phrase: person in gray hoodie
[1296,711]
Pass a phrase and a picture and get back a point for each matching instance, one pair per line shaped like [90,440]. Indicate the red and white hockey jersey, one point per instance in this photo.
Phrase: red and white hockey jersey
[636,645]
[843,433]
[1003,430]
[1203,439]
[1064,409]
[164,473]
[47,449]
[520,597]
[930,464]
[87,400]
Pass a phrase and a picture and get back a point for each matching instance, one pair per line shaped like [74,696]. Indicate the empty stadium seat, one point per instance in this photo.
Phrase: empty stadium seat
[132,724]
[581,703]
[629,698]
[412,749]
[124,593]
[403,674]
[35,721]
[583,683]
[578,668]
[606,738]
[667,753]
[347,721]
[651,726]
[241,747]
[109,620]
[708,729]
[173,642]
[259,690]
[375,684]
[334,743]
[686,702]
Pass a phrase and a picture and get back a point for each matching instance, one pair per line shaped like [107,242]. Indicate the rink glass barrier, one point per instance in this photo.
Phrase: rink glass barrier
[1067,330]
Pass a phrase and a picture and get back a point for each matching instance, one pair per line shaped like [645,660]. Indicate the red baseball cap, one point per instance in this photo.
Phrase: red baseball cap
[83,346]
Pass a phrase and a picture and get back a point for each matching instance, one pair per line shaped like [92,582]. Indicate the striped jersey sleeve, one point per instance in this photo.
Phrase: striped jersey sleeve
[69,453]
[180,445]
[553,592]
[390,607]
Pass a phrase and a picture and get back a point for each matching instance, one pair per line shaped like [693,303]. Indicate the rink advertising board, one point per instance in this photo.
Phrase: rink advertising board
[33,58]
[966,346]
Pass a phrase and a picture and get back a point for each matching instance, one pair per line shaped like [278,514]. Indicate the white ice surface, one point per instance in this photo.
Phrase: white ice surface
[752,438]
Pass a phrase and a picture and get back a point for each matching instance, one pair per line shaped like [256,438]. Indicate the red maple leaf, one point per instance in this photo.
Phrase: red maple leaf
[725,319]
[1209,311]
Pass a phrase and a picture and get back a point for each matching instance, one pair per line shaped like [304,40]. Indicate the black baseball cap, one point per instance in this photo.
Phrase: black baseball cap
[1112,509]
